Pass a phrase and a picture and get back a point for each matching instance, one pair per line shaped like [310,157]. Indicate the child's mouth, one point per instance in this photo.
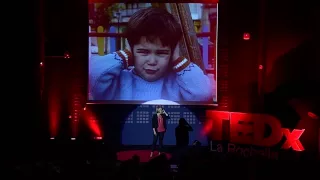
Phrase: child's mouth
[150,71]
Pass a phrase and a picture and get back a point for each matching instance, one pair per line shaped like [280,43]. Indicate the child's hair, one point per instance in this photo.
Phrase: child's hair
[153,23]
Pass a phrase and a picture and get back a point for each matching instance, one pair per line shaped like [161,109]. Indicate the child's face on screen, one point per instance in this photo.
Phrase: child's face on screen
[151,59]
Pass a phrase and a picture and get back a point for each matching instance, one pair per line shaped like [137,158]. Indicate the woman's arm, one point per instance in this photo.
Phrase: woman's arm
[165,114]
[154,124]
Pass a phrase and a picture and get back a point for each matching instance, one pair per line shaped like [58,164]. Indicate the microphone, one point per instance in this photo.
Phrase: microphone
[164,111]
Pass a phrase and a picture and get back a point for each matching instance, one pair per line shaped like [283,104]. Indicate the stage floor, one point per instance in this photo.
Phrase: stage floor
[144,155]
[143,152]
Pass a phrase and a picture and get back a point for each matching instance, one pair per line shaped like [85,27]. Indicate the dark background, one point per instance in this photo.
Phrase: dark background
[283,41]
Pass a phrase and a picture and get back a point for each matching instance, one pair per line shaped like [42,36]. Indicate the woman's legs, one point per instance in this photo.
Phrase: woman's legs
[154,143]
[161,136]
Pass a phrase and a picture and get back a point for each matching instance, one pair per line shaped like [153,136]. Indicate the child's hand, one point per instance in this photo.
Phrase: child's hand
[176,52]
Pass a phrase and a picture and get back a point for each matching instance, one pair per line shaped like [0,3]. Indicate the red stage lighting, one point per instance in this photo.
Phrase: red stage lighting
[246,36]
[66,55]
[260,67]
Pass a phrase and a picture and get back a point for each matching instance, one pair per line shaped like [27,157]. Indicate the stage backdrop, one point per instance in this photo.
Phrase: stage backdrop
[137,127]
[131,124]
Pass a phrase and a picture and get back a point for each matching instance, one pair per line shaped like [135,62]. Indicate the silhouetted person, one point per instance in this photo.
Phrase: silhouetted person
[182,138]
[182,133]
[157,168]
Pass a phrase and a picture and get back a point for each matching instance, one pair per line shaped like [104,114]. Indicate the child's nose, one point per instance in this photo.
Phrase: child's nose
[152,60]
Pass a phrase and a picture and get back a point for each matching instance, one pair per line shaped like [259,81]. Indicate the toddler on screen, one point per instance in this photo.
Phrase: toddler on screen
[158,72]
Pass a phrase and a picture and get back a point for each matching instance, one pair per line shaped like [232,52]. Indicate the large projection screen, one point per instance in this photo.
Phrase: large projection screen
[152,53]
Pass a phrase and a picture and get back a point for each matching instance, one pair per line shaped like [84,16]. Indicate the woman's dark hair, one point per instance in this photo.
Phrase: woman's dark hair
[153,23]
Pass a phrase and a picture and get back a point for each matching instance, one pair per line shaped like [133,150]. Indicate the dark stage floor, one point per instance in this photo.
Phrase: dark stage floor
[56,149]
[171,152]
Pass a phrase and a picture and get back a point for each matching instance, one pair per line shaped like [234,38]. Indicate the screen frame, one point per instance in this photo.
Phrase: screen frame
[214,103]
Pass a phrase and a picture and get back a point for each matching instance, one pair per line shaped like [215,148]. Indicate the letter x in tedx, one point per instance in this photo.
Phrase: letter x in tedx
[293,139]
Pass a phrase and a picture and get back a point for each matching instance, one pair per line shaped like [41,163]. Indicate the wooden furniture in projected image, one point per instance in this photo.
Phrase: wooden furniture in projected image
[194,45]
[189,46]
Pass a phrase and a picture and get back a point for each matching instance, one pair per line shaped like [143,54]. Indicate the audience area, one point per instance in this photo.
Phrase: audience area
[100,162]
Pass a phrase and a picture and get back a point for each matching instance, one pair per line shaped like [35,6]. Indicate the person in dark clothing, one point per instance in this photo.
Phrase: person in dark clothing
[159,127]
[182,139]
[182,133]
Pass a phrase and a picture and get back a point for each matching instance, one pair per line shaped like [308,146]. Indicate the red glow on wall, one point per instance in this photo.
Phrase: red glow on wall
[66,55]
[312,115]
[246,128]
[54,111]
[75,117]
[260,67]
[246,36]
[92,122]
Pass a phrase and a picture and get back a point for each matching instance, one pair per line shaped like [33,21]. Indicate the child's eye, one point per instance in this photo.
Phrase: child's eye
[143,52]
[163,53]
